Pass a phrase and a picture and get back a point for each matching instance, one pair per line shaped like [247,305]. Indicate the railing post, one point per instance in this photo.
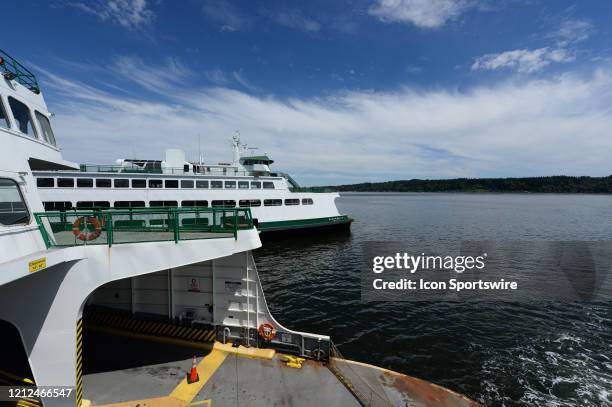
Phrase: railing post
[235,224]
[109,228]
[176,223]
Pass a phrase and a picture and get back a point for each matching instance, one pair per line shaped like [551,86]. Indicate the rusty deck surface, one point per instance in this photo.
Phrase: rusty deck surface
[152,375]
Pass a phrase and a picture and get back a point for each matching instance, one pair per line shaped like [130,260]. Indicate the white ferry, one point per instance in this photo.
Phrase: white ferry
[247,182]
[177,277]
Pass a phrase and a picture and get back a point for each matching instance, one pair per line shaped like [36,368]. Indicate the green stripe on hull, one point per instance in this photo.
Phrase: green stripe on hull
[303,223]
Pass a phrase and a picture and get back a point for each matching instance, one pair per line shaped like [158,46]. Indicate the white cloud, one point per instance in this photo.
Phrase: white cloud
[157,78]
[422,13]
[523,60]
[130,14]
[516,128]
[242,80]
[572,31]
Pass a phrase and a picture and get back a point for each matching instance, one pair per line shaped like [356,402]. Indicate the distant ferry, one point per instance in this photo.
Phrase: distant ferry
[247,182]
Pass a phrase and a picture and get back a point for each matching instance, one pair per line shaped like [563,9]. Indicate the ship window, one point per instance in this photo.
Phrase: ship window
[65,182]
[45,126]
[201,184]
[230,184]
[171,183]
[45,182]
[307,201]
[3,117]
[216,184]
[273,202]
[139,183]
[186,184]
[22,116]
[122,183]
[292,201]
[93,204]
[203,204]
[243,184]
[165,204]
[246,203]
[13,210]
[84,182]
[129,204]
[155,183]
[255,185]
[268,185]
[225,204]
[103,183]
[57,206]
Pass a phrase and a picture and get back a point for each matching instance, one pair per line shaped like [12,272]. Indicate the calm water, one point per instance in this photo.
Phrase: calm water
[500,354]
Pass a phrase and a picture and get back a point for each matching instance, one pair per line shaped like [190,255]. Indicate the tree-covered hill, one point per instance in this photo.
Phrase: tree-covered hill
[554,184]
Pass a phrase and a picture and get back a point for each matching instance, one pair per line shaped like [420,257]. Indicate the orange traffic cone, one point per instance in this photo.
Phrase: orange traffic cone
[193,377]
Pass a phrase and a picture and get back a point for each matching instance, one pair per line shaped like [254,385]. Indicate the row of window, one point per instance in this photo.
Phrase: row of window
[24,121]
[243,203]
[151,183]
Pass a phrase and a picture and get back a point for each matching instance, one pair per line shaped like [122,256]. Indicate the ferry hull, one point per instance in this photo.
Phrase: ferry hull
[328,224]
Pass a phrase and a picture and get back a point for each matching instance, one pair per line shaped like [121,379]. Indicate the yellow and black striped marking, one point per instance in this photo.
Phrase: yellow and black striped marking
[166,329]
[79,362]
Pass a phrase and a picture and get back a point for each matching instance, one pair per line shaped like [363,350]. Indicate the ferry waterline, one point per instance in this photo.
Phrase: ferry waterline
[170,276]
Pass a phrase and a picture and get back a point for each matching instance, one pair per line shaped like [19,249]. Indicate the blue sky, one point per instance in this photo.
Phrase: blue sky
[335,91]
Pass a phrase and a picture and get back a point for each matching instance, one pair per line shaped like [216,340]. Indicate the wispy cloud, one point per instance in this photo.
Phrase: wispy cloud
[226,14]
[421,13]
[513,128]
[295,20]
[130,14]
[569,33]
[216,76]
[242,80]
[572,31]
[522,60]
[156,78]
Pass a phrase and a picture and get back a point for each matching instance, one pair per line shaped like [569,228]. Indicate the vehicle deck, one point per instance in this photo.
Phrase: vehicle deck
[230,377]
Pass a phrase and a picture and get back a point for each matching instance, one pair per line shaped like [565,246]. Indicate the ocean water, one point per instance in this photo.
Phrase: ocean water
[501,354]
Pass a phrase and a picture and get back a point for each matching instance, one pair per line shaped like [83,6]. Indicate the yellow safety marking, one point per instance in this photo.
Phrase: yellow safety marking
[150,327]
[29,403]
[207,403]
[79,362]
[153,338]
[15,377]
[245,352]
[206,368]
[37,265]
[154,402]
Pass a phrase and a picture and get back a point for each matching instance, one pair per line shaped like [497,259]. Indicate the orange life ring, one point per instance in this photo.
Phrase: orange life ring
[86,235]
[267,331]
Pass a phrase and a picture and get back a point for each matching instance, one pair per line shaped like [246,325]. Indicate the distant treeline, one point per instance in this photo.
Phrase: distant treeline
[555,184]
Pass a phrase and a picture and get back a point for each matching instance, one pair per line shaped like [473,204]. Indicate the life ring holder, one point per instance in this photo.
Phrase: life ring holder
[87,235]
[267,331]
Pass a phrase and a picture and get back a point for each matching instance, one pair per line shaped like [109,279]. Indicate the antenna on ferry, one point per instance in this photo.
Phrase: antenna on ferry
[200,148]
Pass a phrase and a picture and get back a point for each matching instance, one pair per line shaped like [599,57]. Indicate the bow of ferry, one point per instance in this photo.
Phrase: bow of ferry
[141,283]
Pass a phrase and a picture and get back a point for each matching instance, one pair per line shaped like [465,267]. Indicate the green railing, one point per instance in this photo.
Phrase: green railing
[135,225]
[136,169]
[13,70]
